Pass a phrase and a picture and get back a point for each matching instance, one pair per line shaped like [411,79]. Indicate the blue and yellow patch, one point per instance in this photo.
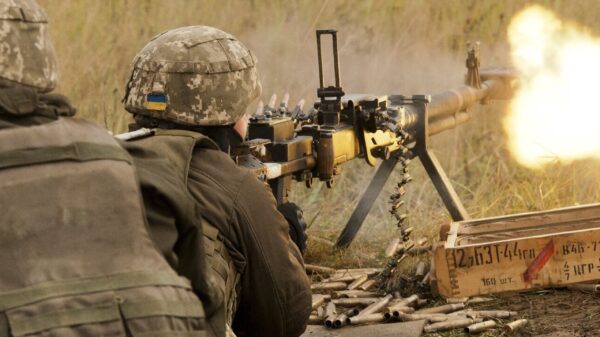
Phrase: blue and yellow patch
[156,102]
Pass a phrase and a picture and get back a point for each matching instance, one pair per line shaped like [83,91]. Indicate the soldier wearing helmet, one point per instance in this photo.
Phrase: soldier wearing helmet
[192,86]
[76,258]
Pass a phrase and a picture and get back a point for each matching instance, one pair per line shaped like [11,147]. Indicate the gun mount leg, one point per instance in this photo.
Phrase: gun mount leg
[366,202]
[281,188]
[432,165]
[442,185]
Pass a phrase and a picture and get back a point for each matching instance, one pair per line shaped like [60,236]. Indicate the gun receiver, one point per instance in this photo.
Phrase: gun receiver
[286,145]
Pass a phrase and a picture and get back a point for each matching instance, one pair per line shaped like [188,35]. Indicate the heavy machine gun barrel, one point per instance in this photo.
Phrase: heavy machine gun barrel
[293,145]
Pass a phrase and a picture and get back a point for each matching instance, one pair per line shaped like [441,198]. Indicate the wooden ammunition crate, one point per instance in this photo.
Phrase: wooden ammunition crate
[519,252]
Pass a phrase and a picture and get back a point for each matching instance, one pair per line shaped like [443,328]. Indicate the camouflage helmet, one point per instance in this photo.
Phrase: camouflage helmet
[26,53]
[195,75]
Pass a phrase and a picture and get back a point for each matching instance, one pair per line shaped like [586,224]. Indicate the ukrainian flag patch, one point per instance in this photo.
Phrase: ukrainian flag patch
[156,102]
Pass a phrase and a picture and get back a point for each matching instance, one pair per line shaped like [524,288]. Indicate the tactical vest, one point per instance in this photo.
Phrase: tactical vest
[178,147]
[75,256]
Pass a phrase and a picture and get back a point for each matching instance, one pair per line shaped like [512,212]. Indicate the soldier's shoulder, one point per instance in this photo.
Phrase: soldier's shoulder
[218,166]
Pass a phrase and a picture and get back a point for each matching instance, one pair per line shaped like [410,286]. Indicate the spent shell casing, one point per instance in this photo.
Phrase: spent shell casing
[454,300]
[328,286]
[344,278]
[314,320]
[516,325]
[480,327]
[317,300]
[395,311]
[360,280]
[404,317]
[377,306]
[330,314]
[340,321]
[353,294]
[494,313]
[477,299]
[355,272]
[330,321]
[343,318]
[367,285]
[370,318]
[464,313]
[585,287]
[451,324]
[314,269]
[407,301]
[444,309]
[355,301]
[330,309]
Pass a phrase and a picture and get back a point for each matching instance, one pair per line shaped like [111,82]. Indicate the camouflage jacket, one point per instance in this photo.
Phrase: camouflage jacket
[274,297]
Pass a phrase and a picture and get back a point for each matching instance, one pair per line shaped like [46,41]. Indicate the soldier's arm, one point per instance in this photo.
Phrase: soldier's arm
[278,300]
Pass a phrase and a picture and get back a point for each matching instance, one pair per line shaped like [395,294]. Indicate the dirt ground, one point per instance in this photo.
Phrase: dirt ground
[551,313]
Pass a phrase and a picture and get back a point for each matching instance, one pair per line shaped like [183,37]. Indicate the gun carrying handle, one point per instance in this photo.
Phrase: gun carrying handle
[336,67]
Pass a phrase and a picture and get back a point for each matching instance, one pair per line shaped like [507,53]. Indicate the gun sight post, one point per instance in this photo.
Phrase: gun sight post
[331,96]
[336,66]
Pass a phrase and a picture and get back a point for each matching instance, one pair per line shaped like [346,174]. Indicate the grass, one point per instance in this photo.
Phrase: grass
[385,47]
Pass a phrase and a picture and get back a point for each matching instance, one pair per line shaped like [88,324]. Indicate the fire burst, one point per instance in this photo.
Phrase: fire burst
[552,116]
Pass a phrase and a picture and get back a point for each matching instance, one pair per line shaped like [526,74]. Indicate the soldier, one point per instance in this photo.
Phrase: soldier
[76,259]
[193,86]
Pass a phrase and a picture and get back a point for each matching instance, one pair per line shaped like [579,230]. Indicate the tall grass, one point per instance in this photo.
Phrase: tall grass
[385,47]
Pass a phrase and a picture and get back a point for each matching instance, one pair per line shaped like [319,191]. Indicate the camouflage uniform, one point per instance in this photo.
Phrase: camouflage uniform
[76,257]
[211,86]
[27,56]
[196,81]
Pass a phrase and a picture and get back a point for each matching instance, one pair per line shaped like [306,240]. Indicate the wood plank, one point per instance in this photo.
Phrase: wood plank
[523,220]
[497,261]
[570,226]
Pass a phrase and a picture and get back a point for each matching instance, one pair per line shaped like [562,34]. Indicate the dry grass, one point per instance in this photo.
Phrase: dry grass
[385,47]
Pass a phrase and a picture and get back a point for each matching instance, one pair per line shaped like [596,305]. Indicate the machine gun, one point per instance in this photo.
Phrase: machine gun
[285,145]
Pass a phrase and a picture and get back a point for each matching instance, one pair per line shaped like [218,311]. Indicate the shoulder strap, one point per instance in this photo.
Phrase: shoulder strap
[177,146]
[81,151]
